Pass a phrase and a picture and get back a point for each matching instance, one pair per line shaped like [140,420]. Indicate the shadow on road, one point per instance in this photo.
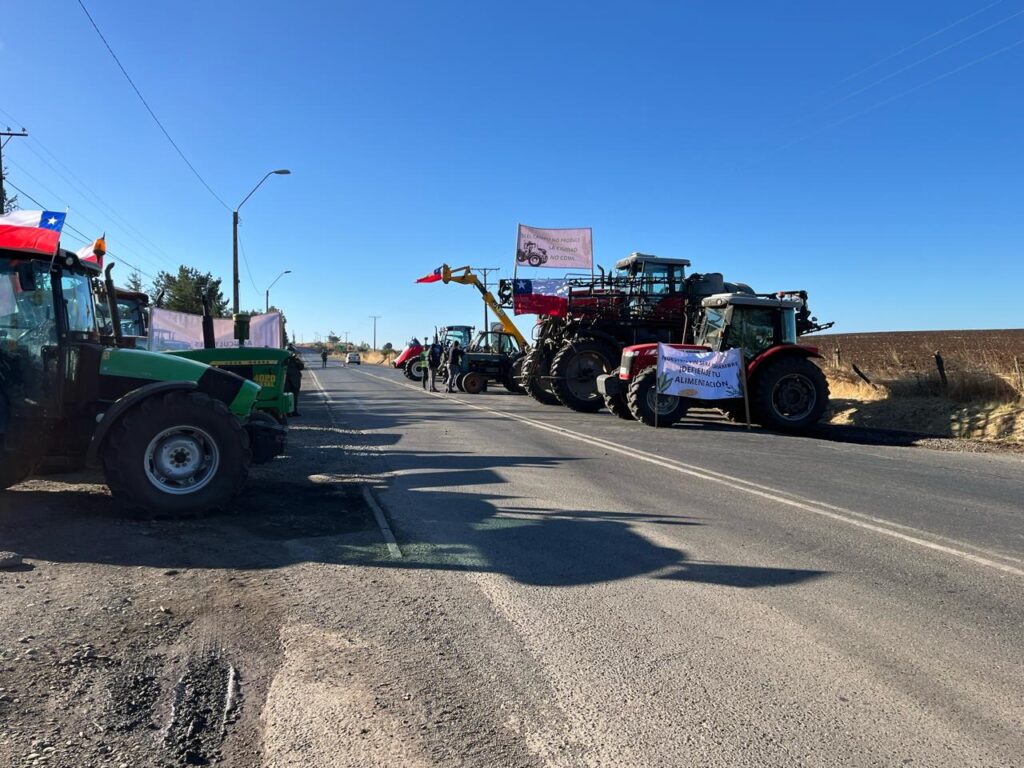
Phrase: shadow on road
[310,508]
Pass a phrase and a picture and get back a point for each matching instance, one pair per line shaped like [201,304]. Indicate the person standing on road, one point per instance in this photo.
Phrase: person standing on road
[455,358]
[424,361]
[293,376]
[434,359]
[323,357]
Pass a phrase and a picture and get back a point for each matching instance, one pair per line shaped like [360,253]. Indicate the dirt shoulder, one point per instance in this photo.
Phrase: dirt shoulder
[284,634]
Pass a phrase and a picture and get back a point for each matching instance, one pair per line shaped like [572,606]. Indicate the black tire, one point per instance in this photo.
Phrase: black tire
[789,395]
[515,373]
[458,382]
[473,383]
[574,371]
[643,400]
[534,381]
[415,369]
[14,469]
[535,260]
[139,451]
[617,404]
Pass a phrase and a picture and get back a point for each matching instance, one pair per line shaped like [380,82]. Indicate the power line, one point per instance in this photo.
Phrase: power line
[82,237]
[916,43]
[901,94]
[98,202]
[148,108]
[245,260]
[930,56]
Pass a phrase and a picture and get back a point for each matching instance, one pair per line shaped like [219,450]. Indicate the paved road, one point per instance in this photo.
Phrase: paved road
[704,595]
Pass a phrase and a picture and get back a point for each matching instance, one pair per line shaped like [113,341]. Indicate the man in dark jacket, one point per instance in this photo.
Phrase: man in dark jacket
[293,376]
[323,357]
[455,357]
[434,359]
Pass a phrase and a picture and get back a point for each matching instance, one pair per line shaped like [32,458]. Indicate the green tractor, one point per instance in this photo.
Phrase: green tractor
[125,314]
[173,436]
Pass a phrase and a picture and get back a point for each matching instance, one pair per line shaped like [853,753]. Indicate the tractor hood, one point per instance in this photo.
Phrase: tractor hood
[123,370]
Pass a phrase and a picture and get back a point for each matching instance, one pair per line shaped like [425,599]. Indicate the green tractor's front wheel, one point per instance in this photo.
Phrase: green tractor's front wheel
[178,454]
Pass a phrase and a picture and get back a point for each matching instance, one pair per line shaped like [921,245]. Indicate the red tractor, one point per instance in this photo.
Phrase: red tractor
[409,361]
[786,390]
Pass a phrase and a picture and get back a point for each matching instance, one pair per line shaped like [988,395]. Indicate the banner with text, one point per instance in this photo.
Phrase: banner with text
[699,375]
[555,248]
[180,330]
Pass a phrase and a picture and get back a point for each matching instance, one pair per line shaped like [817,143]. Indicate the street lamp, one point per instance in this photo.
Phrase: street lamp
[286,272]
[234,223]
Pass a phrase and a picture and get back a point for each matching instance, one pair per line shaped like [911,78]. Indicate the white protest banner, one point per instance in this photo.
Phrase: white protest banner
[180,330]
[555,248]
[699,375]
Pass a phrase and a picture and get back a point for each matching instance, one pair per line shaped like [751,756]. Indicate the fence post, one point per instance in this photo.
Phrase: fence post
[837,357]
[1020,376]
[940,364]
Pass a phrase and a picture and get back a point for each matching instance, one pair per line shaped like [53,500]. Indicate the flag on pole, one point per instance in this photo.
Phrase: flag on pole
[32,231]
[433,277]
[540,297]
[94,252]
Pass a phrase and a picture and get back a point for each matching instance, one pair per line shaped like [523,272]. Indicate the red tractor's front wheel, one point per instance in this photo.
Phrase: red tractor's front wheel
[789,395]
[648,406]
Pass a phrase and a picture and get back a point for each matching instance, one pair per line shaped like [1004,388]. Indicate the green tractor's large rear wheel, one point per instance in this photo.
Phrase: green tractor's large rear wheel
[574,371]
[179,454]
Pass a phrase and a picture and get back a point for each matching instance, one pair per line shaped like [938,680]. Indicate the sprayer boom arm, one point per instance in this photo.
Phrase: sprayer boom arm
[465,276]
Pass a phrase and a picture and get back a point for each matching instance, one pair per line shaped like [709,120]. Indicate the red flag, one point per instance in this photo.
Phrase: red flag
[433,277]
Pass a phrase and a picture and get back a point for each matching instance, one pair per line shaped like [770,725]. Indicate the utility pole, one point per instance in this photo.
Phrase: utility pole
[346,340]
[375,318]
[6,136]
[485,271]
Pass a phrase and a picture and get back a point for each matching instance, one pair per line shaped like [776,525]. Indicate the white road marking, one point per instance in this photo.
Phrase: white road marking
[820,508]
[378,512]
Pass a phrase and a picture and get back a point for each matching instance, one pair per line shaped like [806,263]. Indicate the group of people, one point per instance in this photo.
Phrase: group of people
[434,357]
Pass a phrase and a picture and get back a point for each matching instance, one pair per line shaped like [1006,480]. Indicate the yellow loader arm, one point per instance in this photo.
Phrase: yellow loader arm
[465,276]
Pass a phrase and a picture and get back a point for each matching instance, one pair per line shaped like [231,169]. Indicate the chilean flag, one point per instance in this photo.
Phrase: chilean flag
[540,297]
[94,252]
[433,277]
[32,231]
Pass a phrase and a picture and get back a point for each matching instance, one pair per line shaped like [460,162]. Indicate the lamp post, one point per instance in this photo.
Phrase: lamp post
[286,272]
[234,225]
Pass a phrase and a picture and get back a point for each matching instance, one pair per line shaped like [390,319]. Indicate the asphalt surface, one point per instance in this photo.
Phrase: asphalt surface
[704,594]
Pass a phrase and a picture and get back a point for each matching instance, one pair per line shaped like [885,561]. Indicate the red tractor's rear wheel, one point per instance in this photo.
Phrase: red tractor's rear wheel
[648,406]
[789,395]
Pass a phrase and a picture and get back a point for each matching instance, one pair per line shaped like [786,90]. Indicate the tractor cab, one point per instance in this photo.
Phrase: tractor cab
[132,312]
[495,343]
[752,323]
[653,275]
[173,436]
[451,333]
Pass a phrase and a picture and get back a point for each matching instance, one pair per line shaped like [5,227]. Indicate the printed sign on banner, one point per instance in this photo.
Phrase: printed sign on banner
[169,331]
[699,375]
[555,248]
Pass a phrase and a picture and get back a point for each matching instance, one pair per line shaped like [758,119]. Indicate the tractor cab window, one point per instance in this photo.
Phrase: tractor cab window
[789,326]
[752,329]
[714,325]
[130,313]
[79,308]
[27,322]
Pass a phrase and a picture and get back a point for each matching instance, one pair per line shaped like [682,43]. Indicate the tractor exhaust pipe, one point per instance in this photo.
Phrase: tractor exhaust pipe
[209,339]
[115,319]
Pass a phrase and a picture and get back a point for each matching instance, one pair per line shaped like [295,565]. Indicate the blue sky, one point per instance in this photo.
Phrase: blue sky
[783,144]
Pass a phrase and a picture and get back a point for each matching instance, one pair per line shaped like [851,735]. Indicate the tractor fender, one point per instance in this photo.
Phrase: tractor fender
[777,353]
[114,413]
